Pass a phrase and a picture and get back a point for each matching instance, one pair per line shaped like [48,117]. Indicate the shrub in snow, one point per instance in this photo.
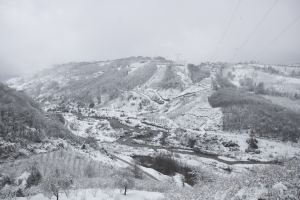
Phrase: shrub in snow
[75,192]
[34,178]
[29,192]
[252,143]
[109,192]
[94,191]
[203,175]
[89,171]
[92,142]
[137,172]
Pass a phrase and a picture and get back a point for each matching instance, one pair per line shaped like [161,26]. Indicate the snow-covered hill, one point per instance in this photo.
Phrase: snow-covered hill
[135,84]
[143,108]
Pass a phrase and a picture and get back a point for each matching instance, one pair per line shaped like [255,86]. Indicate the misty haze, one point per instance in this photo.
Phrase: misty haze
[160,100]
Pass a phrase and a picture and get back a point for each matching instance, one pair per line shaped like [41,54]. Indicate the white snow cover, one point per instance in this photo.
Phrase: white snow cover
[22,178]
[279,186]
[101,194]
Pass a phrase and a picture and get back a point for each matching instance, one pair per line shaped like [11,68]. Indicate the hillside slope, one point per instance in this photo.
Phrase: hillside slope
[23,124]
[159,89]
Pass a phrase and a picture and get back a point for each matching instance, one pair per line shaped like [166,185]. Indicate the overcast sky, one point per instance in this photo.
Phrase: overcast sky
[36,34]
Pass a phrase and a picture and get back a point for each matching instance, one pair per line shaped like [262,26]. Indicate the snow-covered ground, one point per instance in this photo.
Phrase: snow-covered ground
[88,194]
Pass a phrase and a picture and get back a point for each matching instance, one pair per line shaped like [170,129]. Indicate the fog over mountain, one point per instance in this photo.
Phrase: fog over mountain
[36,34]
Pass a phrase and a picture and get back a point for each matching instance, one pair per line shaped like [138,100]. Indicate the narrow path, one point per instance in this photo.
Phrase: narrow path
[132,165]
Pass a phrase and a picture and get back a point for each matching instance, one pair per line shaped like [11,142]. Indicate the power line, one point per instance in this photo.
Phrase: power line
[255,28]
[224,21]
[276,37]
[226,29]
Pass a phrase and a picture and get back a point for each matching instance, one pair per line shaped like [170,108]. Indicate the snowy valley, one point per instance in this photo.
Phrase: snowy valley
[159,129]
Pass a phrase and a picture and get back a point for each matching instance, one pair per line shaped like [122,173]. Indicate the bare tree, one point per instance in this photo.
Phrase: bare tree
[55,182]
[124,179]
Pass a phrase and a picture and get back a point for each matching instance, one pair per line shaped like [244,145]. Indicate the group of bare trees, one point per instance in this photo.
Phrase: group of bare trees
[67,172]
[64,171]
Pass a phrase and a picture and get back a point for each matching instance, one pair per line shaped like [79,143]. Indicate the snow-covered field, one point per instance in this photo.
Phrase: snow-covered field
[98,194]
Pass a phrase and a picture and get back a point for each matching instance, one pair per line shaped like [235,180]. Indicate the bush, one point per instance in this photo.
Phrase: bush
[137,172]
[252,143]
[224,82]
[89,171]
[34,177]
[260,88]
[197,74]
[92,142]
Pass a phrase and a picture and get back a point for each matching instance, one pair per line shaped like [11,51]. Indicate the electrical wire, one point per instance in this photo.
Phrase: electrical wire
[261,21]
[226,29]
[276,38]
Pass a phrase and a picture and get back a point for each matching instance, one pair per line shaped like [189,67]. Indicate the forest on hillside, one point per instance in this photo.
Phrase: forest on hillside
[22,121]
[243,110]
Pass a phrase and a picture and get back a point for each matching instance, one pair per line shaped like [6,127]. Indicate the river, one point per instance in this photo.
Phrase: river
[127,140]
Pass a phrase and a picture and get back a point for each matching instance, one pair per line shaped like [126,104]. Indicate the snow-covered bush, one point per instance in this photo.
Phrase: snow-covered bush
[34,178]
[89,171]
[109,192]
[94,191]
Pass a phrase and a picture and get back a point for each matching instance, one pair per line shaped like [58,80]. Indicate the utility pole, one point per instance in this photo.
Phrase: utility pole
[177,55]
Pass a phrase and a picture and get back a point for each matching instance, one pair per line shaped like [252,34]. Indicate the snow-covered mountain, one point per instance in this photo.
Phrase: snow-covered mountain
[166,120]
[101,82]
[135,84]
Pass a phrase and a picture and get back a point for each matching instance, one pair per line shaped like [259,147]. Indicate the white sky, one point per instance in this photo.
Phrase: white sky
[36,34]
